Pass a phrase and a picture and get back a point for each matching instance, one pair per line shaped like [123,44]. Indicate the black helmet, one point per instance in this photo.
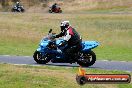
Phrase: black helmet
[64,25]
[17,2]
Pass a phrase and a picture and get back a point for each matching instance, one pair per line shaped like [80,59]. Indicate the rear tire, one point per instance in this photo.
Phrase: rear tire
[60,11]
[22,10]
[87,59]
[12,10]
[39,59]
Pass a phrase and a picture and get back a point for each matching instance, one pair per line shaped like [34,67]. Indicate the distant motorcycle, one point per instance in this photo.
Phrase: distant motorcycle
[48,51]
[18,9]
[56,10]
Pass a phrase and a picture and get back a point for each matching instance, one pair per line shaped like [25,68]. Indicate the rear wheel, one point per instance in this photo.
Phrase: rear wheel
[87,59]
[39,58]
[22,10]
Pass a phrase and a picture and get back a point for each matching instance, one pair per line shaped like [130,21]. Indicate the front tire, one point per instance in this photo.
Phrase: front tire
[87,59]
[39,59]
[12,10]
[50,11]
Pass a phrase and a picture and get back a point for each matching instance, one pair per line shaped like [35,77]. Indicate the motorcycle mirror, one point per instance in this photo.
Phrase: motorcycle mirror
[50,30]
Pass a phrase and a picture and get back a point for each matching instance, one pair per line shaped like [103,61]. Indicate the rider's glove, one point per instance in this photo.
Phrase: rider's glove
[53,36]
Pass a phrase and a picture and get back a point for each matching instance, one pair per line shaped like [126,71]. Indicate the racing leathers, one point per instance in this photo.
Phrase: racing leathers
[73,41]
[54,7]
[18,5]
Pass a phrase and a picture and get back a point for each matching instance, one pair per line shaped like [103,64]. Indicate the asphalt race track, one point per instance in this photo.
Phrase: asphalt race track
[100,64]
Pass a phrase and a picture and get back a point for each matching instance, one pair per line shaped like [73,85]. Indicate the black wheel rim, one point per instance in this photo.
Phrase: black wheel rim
[86,58]
[38,56]
[41,58]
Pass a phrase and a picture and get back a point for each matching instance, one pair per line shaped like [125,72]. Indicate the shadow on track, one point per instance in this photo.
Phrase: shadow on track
[65,65]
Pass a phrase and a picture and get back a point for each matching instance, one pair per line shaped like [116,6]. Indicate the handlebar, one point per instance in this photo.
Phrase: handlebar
[50,36]
[50,30]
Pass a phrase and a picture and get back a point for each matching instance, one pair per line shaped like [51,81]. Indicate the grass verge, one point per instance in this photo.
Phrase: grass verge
[13,76]
[21,33]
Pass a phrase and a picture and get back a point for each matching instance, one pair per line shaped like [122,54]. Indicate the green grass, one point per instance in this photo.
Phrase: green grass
[21,33]
[114,53]
[96,6]
[49,77]
[76,6]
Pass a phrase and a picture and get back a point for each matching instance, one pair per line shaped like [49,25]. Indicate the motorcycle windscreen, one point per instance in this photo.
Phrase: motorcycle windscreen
[59,41]
[87,45]
[42,45]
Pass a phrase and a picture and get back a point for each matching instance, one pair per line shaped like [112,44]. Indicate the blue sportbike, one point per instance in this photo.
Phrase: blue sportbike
[49,52]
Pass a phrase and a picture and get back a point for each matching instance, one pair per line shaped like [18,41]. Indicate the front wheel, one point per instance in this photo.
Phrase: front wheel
[81,80]
[60,11]
[87,59]
[39,58]
[22,10]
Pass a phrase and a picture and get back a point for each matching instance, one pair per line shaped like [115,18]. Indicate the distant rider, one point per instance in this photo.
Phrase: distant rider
[71,38]
[54,6]
[17,4]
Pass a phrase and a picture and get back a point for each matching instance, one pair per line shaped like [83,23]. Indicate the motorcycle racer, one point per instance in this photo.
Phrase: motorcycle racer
[71,38]
[67,50]
[54,6]
[17,4]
